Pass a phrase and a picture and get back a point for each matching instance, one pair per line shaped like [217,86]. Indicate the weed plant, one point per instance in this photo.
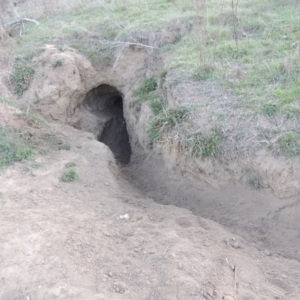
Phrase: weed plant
[13,147]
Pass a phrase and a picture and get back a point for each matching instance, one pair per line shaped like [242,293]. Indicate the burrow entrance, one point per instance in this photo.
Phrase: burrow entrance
[102,114]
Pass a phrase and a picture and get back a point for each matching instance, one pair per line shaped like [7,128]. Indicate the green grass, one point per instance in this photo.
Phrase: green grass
[164,121]
[146,92]
[263,61]
[205,145]
[200,145]
[7,101]
[156,105]
[259,70]
[262,70]
[149,85]
[91,29]
[57,63]
[22,75]
[269,109]
[13,147]
[69,176]
[288,145]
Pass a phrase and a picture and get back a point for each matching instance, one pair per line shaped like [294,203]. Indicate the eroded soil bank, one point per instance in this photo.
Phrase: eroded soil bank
[256,215]
[100,102]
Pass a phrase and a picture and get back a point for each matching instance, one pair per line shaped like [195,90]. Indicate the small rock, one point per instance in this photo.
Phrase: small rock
[210,292]
[236,245]
[206,243]
[8,174]
[119,289]
[110,274]
[106,183]
[124,217]
[267,252]
[228,298]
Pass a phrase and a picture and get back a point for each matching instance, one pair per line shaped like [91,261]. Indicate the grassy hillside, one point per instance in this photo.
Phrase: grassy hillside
[248,48]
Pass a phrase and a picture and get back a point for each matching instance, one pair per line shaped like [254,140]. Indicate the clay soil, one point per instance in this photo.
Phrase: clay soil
[103,237]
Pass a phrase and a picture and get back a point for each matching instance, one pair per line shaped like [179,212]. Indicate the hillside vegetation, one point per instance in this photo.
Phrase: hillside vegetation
[248,50]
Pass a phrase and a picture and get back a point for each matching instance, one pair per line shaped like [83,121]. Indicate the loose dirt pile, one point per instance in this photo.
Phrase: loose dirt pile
[100,238]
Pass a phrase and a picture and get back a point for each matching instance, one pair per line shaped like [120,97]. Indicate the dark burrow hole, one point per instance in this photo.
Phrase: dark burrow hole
[106,103]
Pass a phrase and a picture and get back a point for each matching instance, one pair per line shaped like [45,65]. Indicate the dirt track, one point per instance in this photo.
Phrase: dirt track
[100,238]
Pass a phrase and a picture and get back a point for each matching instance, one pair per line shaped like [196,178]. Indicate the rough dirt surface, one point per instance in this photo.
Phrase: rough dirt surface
[256,215]
[100,238]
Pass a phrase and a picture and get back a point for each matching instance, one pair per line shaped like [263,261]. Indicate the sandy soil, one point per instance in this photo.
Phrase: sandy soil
[101,238]
[257,215]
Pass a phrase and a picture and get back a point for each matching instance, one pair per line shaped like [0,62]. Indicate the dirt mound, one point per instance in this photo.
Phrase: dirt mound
[59,85]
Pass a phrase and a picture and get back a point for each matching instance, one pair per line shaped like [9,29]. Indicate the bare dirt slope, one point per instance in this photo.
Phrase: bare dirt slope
[99,238]
[255,214]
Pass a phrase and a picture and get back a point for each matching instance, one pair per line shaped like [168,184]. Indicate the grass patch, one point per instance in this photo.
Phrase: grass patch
[288,145]
[22,75]
[69,176]
[269,109]
[156,105]
[204,73]
[253,179]
[164,121]
[146,92]
[7,101]
[149,85]
[248,69]
[150,98]
[57,63]
[13,147]
[205,145]
[33,119]
[263,74]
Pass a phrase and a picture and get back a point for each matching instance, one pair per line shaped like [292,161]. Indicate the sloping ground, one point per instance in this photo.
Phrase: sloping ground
[99,238]
[235,192]
[196,126]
